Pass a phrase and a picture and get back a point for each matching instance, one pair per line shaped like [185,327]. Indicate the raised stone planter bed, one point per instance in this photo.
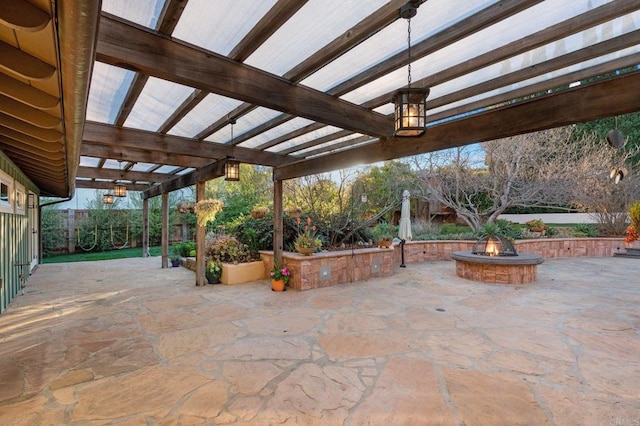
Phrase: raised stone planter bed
[335,267]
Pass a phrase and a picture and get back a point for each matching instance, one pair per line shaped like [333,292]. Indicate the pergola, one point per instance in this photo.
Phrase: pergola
[143,92]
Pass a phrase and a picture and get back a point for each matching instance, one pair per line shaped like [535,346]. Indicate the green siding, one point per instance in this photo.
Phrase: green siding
[14,239]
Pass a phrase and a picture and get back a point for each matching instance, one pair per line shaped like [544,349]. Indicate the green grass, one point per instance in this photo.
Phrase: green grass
[101,255]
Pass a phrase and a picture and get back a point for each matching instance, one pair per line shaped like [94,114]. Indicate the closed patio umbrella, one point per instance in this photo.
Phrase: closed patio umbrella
[404,231]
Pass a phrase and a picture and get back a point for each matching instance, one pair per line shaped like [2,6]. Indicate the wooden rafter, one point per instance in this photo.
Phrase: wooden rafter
[94,173]
[576,105]
[122,44]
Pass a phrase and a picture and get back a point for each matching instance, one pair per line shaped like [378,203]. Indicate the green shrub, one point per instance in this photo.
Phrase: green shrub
[584,230]
[184,248]
[227,249]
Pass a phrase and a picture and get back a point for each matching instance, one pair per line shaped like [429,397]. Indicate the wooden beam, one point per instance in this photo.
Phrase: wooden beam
[337,146]
[210,171]
[187,105]
[124,45]
[173,145]
[236,113]
[294,134]
[164,237]
[108,185]
[355,35]
[141,155]
[200,240]
[328,138]
[593,51]
[269,24]
[113,174]
[137,85]
[474,23]
[170,15]
[564,29]
[601,69]
[145,227]
[590,102]
[274,122]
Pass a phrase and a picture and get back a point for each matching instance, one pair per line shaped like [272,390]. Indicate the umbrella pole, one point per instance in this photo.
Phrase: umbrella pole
[402,265]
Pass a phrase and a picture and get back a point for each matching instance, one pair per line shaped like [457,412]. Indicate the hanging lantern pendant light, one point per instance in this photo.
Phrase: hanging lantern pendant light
[410,102]
[232,167]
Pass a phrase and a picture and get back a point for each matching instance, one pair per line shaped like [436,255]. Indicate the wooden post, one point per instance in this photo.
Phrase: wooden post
[145,227]
[278,225]
[200,236]
[165,229]
[71,231]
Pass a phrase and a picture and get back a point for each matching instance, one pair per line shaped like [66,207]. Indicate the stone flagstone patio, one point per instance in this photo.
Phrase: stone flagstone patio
[125,342]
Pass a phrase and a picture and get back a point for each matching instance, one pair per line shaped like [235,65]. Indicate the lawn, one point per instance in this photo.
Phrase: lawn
[101,255]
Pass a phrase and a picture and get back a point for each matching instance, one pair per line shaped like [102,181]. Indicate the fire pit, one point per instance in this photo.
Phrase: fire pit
[493,259]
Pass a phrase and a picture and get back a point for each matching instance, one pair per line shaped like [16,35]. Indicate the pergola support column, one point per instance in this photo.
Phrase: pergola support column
[165,229]
[278,224]
[200,237]
[145,227]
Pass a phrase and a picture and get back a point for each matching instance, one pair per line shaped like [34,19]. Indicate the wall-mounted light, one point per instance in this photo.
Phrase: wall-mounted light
[410,102]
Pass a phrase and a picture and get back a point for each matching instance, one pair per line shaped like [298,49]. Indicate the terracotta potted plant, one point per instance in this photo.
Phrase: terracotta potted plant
[279,275]
[307,242]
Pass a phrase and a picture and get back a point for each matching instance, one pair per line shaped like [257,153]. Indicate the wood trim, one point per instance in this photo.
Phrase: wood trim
[121,44]
[27,94]
[46,135]
[28,114]
[23,16]
[585,103]
[23,65]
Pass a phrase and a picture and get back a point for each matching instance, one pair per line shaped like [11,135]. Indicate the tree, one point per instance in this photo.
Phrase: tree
[537,169]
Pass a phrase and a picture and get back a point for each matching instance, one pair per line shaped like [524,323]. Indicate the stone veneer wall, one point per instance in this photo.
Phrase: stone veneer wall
[420,251]
[330,268]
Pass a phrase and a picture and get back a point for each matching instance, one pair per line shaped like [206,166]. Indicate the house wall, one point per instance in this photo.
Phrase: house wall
[18,241]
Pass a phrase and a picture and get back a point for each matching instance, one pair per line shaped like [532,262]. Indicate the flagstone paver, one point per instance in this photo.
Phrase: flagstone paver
[128,343]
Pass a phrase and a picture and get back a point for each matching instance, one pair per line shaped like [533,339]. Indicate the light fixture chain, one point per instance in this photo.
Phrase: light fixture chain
[409,51]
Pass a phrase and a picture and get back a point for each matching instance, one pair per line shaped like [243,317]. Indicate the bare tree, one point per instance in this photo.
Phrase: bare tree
[543,169]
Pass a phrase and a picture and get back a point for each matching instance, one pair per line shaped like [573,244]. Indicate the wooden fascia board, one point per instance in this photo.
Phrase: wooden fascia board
[135,48]
[590,102]
[139,139]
